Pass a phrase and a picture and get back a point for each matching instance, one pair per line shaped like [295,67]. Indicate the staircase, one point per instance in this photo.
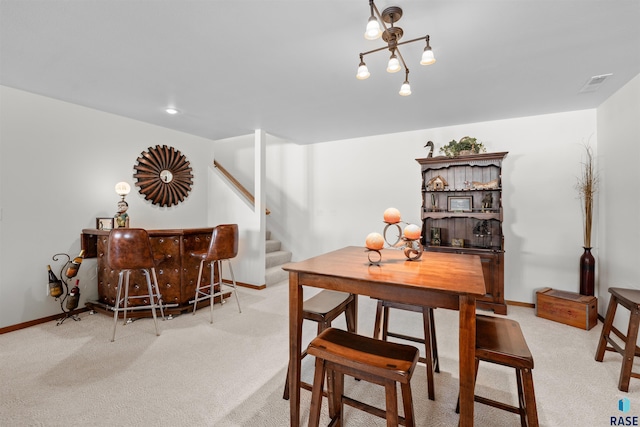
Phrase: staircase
[275,258]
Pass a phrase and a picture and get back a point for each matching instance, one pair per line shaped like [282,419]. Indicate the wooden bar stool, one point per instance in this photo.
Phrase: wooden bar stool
[323,308]
[223,247]
[500,340]
[381,331]
[630,299]
[340,353]
[130,249]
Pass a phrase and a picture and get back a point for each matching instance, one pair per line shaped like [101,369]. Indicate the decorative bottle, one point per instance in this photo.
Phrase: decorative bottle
[74,266]
[55,285]
[74,297]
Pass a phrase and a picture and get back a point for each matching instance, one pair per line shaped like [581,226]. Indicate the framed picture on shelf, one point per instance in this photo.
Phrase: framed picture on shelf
[459,203]
[104,223]
[457,243]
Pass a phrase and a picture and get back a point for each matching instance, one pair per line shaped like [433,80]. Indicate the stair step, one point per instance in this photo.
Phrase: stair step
[277,258]
[273,245]
[275,275]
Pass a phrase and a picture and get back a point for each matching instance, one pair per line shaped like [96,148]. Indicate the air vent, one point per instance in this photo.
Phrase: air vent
[594,83]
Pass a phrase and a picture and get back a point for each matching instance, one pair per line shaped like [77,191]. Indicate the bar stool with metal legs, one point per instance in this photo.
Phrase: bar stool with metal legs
[223,247]
[629,299]
[130,249]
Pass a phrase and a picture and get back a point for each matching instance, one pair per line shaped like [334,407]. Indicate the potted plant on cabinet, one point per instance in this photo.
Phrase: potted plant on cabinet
[465,146]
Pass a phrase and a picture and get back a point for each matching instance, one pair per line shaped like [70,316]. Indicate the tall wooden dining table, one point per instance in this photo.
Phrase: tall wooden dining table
[444,280]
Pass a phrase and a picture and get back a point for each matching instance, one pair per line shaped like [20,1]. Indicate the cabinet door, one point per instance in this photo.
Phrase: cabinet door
[494,283]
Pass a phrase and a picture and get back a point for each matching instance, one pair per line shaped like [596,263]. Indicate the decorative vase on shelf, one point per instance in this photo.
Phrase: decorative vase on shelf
[587,272]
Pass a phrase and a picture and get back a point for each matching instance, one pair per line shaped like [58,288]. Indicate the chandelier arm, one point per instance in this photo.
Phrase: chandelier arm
[374,50]
[413,40]
[402,59]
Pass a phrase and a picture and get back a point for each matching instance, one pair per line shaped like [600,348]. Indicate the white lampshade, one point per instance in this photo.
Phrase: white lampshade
[394,65]
[373,30]
[427,57]
[122,188]
[363,72]
[405,89]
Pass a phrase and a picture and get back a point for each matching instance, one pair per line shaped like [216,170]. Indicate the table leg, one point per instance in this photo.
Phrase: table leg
[467,358]
[295,342]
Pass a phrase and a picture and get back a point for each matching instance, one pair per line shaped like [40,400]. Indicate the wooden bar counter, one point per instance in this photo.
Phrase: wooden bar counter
[176,269]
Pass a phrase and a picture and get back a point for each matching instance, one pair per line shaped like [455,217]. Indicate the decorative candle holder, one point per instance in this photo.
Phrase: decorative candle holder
[412,248]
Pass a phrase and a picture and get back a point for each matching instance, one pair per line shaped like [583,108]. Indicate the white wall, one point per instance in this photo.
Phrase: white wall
[244,158]
[619,160]
[333,194]
[59,164]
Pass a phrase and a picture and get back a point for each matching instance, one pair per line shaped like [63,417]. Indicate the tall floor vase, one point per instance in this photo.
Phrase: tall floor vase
[587,272]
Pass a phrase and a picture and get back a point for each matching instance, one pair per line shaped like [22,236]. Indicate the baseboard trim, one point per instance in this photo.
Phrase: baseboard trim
[38,321]
[246,285]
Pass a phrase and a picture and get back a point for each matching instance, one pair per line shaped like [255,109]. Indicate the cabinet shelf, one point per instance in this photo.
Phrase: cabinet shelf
[474,215]
[460,190]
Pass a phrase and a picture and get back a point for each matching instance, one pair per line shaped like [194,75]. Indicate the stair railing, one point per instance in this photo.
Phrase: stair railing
[237,185]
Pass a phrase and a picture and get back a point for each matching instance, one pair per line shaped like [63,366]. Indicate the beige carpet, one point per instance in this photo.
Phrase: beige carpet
[231,373]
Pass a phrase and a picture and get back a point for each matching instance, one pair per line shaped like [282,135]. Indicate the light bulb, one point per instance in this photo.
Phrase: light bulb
[373,29]
[171,110]
[405,89]
[427,57]
[394,65]
[363,72]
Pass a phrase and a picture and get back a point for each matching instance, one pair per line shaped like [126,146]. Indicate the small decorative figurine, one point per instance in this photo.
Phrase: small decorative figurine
[430,145]
[122,217]
[487,201]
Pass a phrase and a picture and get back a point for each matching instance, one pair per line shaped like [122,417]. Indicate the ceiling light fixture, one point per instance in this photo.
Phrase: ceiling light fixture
[391,35]
[172,111]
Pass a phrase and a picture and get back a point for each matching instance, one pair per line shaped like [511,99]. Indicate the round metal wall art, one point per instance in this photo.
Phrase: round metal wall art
[163,175]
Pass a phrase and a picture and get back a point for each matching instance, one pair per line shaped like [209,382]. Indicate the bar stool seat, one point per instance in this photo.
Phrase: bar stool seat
[629,299]
[340,353]
[130,249]
[323,308]
[500,340]
[381,331]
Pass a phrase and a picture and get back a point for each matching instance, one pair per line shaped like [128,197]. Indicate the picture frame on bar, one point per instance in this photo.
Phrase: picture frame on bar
[104,223]
[459,203]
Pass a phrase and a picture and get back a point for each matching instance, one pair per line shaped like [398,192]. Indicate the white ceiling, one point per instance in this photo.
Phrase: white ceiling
[288,67]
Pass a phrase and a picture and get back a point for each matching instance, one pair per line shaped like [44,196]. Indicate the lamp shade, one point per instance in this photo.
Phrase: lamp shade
[122,188]
[363,72]
[405,89]
[427,57]
[373,31]
[394,65]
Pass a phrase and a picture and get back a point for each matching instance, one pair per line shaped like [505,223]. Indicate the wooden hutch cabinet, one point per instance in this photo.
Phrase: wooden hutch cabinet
[462,213]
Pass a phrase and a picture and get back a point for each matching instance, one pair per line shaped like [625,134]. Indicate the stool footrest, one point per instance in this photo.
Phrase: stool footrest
[496,404]
[370,409]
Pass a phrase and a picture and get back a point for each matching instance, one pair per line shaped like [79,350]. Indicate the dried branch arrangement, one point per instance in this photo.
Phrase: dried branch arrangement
[587,185]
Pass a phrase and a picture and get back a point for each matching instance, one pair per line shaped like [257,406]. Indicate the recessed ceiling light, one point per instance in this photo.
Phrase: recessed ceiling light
[171,110]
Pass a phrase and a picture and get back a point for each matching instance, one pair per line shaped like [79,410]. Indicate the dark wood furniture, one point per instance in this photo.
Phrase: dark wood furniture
[501,341]
[339,353]
[448,184]
[129,251]
[177,271]
[437,280]
[629,299]
[323,308]
[381,331]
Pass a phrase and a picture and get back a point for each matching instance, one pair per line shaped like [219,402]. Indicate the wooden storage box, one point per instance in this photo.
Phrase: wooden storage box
[569,308]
